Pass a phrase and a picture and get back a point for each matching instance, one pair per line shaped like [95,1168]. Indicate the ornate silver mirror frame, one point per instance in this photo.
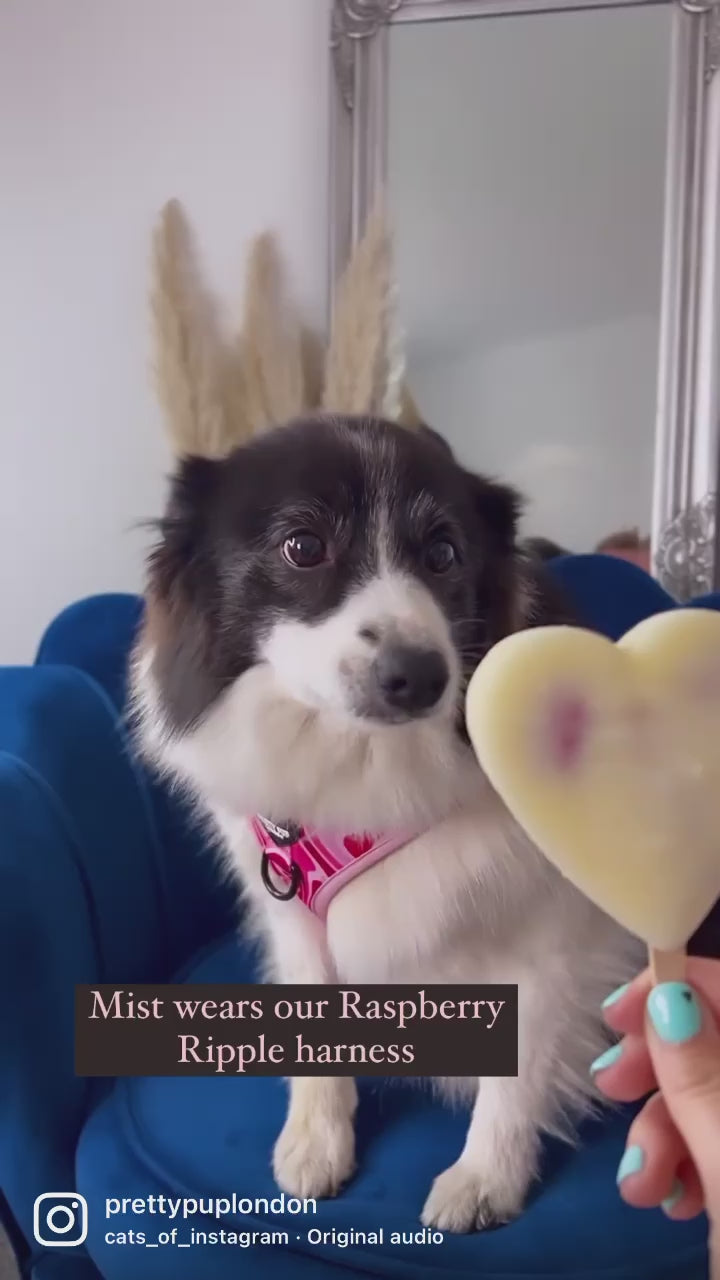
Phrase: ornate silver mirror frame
[685,534]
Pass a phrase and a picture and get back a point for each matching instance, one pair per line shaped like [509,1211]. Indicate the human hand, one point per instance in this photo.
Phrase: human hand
[670,1042]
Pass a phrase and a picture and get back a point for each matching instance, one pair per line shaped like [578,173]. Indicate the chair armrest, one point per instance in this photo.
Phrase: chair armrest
[82,899]
[96,635]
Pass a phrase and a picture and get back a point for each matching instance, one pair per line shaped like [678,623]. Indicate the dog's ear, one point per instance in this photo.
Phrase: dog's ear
[499,508]
[542,599]
[520,589]
[544,548]
[173,564]
[430,434]
[182,597]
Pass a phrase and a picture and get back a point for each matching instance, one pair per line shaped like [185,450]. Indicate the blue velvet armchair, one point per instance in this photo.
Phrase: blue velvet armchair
[104,878]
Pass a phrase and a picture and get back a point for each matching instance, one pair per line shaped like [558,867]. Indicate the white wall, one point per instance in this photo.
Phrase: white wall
[108,108]
[568,418]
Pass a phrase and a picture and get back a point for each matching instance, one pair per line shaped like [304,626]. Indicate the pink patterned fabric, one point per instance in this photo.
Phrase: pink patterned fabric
[324,863]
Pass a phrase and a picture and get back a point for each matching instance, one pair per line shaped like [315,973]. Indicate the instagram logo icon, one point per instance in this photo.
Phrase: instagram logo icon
[60,1218]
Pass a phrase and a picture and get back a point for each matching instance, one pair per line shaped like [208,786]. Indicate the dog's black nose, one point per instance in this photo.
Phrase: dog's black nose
[411,679]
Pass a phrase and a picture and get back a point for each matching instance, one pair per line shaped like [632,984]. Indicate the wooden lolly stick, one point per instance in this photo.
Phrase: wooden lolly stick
[667,966]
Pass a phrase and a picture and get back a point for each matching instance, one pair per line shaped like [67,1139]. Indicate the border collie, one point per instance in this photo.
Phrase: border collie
[316,604]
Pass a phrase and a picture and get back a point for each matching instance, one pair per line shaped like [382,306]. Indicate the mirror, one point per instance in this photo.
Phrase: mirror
[553,191]
[527,209]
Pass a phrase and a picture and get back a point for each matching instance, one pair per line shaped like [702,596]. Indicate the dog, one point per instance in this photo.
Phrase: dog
[316,603]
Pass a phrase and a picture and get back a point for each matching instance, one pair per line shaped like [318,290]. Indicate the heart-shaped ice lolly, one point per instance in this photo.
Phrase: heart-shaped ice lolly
[608,755]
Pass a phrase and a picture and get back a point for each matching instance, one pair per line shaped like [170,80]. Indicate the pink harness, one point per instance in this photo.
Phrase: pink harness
[313,867]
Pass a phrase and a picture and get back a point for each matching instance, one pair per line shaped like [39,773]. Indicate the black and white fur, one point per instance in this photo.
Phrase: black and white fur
[257,687]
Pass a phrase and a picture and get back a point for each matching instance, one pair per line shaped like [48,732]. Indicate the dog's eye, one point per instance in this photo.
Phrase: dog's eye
[304,550]
[440,556]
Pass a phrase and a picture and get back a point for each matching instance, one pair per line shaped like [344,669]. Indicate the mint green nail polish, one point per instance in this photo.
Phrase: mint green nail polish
[674,1012]
[632,1162]
[606,1059]
[615,996]
[675,1196]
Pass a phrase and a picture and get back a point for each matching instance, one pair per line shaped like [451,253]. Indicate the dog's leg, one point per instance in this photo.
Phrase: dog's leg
[315,1153]
[500,1159]
[489,1182]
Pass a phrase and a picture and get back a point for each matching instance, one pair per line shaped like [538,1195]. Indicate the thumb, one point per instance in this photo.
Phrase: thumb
[684,1042]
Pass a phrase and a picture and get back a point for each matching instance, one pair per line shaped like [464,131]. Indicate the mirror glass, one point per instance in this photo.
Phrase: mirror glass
[526,171]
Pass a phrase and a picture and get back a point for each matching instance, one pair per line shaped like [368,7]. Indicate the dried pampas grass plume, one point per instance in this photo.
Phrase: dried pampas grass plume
[272,345]
[313,362]
[365,363]
[216,394]
[190,360]
[410,415]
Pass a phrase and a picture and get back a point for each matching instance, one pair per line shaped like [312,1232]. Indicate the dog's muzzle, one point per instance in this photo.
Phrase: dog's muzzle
[403,682]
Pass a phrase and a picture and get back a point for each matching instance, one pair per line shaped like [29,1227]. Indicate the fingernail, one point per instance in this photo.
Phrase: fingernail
[606,1059]
[675,1196]
[632,1162]
[674,1012]
[615,995]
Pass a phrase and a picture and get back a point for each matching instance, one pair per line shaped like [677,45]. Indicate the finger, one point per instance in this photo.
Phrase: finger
[624,1072]
[684,1043]
[686,1200]
[624,1009]
[653,1154]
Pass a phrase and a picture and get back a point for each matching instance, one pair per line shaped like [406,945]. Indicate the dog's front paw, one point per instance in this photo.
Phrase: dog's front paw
[464,1199]
[313,1158]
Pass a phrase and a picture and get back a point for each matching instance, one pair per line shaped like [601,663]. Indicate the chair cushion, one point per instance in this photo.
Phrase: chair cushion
[609,595]
[211,1136]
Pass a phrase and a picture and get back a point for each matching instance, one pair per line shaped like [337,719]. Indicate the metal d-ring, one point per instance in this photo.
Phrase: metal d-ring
[283,895]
